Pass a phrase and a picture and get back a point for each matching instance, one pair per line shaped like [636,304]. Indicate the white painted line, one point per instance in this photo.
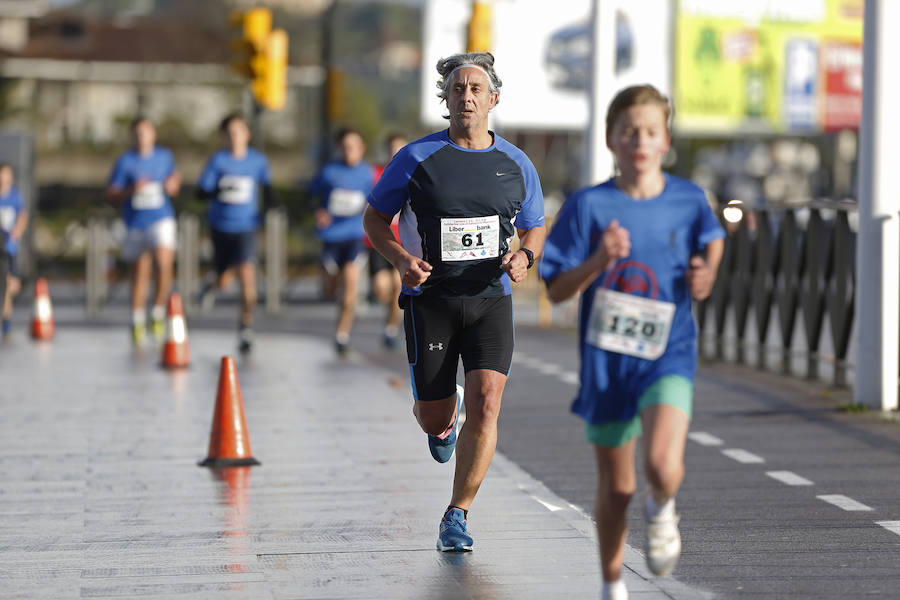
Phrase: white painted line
[892,526]
[548,369]
[789,478]
[742,456]
[570,378]
[844,502]
[705,439]
[547,505]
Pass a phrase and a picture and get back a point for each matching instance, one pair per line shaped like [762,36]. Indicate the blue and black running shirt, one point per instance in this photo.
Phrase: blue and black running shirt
[459,209]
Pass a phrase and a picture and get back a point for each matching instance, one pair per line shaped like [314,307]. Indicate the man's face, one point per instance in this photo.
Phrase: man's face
[470,98]
[352,149]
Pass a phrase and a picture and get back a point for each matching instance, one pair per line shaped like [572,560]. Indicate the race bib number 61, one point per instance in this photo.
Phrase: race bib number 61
[630,324]
[470,239]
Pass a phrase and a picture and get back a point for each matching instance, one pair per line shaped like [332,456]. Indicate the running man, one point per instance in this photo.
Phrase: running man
[637,247]
[342,186]
[231,181]
[462,193]
[13,221]
[384,278]
[142,181]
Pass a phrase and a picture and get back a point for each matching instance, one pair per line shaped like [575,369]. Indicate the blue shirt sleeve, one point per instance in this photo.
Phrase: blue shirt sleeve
[209,178]
[532,213]
[392,190]
[264,175]
[119,177]
[568,243]
[708,227]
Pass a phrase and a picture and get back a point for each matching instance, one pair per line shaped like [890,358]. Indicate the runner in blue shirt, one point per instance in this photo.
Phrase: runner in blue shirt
[342,186]
[462,195]
[637,247]
[13,221]
[142,181]
[231,182]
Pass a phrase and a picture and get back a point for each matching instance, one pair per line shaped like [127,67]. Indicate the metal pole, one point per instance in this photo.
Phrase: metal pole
[188,259]
[276,258]
[603,68]
[878,252]
[95,267]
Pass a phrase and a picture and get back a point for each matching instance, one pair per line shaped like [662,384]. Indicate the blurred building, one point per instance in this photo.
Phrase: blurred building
[73,79]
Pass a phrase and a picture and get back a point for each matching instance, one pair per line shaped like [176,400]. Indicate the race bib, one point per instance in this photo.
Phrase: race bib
[236,189]
[150,196]
[7,218]
[343,202]
[470,239]
[630,324]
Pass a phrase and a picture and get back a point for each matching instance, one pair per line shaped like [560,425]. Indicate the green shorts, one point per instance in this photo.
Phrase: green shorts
[674,390]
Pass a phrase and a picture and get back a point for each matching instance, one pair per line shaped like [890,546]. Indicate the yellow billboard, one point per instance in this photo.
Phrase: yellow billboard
[762,66]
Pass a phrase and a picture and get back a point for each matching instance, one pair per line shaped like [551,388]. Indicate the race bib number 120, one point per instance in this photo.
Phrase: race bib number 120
[630,324]
[473,238]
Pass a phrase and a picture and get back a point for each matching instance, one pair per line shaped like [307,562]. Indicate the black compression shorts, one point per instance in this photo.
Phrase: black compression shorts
[441,330]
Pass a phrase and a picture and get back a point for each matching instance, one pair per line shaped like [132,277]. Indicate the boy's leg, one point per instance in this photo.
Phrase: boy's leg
[247,276]
[165,259]
[140,281]
[349,279]
[615,487]
[665,435]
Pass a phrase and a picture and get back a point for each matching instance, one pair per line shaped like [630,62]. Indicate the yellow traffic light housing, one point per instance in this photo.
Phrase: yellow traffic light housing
[478,33]
[270,73]
[262,56]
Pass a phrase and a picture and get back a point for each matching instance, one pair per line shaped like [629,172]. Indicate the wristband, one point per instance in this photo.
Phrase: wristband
[530,255]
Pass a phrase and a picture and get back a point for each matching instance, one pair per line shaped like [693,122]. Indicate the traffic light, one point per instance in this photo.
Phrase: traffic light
[262,56]
[478,33]
[270,73]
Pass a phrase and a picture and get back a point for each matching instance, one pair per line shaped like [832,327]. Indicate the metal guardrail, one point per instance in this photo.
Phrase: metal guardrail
[789,264]
[276,258]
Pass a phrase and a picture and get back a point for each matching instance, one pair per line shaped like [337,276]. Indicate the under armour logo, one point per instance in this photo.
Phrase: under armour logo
[438,346]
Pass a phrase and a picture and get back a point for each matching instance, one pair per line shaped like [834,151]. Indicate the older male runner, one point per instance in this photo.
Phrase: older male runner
[461,193]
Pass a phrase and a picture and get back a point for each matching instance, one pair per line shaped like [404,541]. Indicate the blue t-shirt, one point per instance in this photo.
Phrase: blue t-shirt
[235,183]
[343,190]
[151,203]
[665,232]
[11,206]
[459,208]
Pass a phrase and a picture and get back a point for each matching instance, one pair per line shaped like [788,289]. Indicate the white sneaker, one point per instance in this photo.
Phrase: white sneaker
[663,545]
[615,590]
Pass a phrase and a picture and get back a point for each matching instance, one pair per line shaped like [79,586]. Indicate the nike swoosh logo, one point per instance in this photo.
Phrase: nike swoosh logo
[499,174]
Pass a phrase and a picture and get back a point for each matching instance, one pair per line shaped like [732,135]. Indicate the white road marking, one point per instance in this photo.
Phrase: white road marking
[892,526]
[742,456]
[547,505]
[548,369]
[705,439]
[789,478]
[844,502]
[570,378]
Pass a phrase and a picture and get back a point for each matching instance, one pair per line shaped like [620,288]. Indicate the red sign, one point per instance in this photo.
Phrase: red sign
[843,74]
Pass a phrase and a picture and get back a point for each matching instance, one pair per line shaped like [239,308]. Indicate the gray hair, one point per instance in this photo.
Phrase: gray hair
[485,60]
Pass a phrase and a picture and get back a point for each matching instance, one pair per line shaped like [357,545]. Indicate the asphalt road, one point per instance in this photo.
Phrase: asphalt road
[786,496]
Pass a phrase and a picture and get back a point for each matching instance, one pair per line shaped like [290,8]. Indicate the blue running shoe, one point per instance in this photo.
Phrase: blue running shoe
[452,536]
[442,446]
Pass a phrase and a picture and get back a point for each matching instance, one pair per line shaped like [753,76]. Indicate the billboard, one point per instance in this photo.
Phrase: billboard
[764,66]
[543,56]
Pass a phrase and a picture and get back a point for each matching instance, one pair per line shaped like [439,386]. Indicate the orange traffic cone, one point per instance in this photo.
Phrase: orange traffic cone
[229,443]
[176,352]
[42,326]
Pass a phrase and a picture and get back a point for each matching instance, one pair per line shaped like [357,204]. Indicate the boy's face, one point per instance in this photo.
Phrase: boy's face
[238,133]
[639,139]
[352,149]
[144,134]
[6,179]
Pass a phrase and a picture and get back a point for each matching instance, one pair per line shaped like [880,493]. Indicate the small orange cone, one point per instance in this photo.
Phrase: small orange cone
[176,352]
[42,326]
[229,443]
